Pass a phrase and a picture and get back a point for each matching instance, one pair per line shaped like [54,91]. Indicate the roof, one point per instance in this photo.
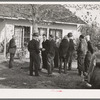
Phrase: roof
[51,13]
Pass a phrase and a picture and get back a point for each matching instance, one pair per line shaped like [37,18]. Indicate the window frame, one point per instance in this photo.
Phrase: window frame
[50,29]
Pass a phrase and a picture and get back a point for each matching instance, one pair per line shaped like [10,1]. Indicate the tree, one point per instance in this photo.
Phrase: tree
[92,26]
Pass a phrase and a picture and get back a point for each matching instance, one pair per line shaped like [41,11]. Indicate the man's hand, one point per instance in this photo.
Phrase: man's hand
[43,49]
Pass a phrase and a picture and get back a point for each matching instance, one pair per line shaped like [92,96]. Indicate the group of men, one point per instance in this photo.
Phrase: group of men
[53,51]
[84,53]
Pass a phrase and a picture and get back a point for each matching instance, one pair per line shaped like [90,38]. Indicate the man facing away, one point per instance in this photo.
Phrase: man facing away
[33,48]
[12,50]
[51,55]
[63,53]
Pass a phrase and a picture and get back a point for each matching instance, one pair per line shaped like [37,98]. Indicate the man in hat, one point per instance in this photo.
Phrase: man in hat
[71,49]
[51,54]
[33,48]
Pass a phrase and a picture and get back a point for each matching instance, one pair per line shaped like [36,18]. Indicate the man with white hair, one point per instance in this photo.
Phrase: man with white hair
[88,54]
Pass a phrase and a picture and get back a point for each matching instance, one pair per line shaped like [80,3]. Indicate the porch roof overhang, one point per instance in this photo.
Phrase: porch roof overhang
[44,21]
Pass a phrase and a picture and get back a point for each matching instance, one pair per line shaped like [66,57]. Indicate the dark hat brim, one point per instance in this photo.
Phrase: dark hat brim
[35,34]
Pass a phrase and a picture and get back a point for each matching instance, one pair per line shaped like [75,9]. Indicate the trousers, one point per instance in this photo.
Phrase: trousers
[34,60]
[65,60]
[11,61]
[80,61]
[50,63]
[70,58]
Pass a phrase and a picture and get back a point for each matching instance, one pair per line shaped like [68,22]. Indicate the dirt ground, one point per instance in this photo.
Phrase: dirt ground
[18,77]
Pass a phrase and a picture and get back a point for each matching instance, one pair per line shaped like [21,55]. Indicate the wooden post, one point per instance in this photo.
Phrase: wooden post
[30,32]
[5,43]
[47,33]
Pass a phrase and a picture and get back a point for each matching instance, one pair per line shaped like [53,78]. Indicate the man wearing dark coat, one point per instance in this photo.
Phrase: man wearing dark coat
[51,55]
[63,53]
[70,50]
[33,48]
[12,50]
[44,51]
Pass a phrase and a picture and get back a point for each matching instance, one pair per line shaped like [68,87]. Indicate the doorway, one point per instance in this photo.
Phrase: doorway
[22,34]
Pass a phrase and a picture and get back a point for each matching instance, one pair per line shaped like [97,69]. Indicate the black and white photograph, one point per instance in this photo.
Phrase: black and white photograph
[50,46]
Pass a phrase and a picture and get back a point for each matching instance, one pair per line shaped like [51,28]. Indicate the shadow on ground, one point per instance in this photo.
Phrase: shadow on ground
[18,77]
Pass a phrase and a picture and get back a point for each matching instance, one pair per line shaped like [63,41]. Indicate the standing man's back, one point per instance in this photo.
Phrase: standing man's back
[33,48]
[63,52]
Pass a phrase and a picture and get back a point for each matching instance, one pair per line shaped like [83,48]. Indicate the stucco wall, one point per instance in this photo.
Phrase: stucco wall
[8,27]
[2,31]
[65,28]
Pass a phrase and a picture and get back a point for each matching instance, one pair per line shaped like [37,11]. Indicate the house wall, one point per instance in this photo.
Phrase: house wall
[7,28]
[2,30]
[9,25]
[65,28]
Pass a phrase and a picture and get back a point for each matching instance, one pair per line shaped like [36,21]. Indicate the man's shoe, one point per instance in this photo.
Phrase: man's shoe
[31,75]
[10,67]
[49,75]
[88,85]
[69,69]
[37,75]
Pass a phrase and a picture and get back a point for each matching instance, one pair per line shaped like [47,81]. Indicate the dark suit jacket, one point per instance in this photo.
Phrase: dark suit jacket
[71,46]
[33,46]
[63,48]
[51,47]
[90,48]
[45,45]
[12,46]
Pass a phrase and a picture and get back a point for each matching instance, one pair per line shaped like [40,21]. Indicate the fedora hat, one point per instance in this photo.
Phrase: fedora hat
[35,34]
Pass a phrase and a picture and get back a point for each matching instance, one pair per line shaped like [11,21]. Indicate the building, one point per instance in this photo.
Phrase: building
[22,28]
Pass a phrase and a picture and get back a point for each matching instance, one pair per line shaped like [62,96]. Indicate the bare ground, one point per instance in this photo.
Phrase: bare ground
[18,77]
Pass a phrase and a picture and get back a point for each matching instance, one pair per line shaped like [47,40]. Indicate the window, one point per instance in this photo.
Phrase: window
[56,33]
[22,34]
[26,35]
[42,31]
